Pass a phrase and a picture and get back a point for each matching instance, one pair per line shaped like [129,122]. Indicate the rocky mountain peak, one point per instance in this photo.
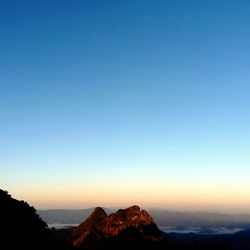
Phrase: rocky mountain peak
[98,213]
[128,217]
[130,223]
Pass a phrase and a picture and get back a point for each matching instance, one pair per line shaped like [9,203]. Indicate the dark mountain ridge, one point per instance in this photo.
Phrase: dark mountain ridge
[22,228]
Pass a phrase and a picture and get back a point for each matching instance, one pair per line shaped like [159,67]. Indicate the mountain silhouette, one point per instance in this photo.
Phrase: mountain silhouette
[128,228]
[22,228]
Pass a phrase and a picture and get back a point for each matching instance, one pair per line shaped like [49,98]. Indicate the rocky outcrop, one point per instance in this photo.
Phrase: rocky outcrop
[126,228]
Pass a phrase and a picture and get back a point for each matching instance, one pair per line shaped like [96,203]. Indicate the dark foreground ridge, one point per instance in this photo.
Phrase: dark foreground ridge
[128,228]
[22,228]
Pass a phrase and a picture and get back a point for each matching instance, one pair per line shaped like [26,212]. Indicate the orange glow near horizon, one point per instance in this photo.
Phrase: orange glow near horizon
[190,197]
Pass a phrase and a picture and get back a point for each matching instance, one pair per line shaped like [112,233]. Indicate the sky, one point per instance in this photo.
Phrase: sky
[115,103]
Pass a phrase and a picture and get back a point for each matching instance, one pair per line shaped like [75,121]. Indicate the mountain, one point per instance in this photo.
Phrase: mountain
[128,228]
[65,216]
[131,228]
[200,219]
[22,228]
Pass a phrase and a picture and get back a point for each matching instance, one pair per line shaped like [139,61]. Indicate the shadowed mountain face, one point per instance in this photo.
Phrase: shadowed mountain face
[22,228]
[128,228]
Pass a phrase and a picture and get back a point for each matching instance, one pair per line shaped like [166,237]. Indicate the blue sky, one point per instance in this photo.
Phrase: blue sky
[148,98]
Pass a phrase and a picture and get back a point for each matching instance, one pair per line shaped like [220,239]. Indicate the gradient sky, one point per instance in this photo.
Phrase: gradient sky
[115,103]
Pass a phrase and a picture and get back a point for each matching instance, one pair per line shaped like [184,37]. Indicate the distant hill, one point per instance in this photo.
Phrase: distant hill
[63,216]
[161,217]
[200,219]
